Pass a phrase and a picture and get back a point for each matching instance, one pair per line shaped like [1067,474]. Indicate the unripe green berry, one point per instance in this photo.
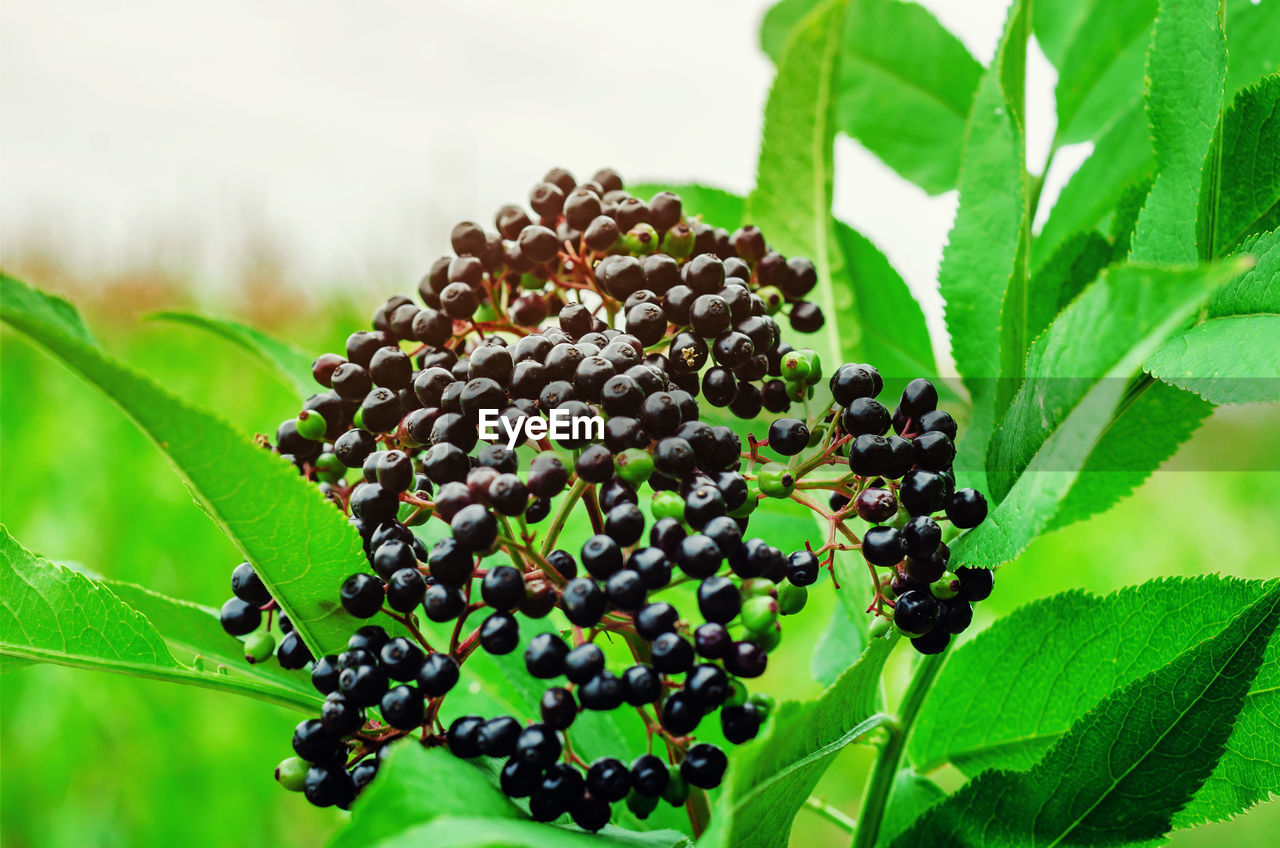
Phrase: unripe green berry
[945,587]
[900,518]
[329,469]
[758,587]
[776,480]
[640,240]
[759,614]
[815,367]
[641,806]
[817,434]
[311,425]
[879,628]
[763,703]
[532,282]
[292,773]
[737,693]
[667,504]
[259,646]
[772,297]
[791,599]
[750,504]
[795,366]
[633,465]
[677,242]
[485,312]
[677,789]
[357,420]
[798,390]
[768,638]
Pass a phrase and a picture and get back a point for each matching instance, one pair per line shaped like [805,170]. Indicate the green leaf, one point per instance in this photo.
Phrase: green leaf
[1153,421]
[1233,356]
[1076,263]
[905,85]
[1078,371]
[417,789]
[791,201]
[1098,49]
[1007,697]
[715,206]
[890,329]
[289,365]
[983,265]
[300,545]
[1183,103]
[193,630]
[770,778]
[845,637]
[910,796]
[1247,196]
[51,613]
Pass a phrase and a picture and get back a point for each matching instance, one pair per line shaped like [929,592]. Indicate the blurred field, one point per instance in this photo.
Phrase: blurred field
[92,759]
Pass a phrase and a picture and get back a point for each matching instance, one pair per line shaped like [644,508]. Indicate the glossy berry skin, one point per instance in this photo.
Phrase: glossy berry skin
[497,737]
[802,568]
[438,675]
[740,724]
[718,599]
[341,717]
[361,595]
[557,708]
[966,508]
[698,556]
[649,775]
[954,615]
[608,779]
[708,686]
[544,658]
[443,603]
[583,663]
[583,601]
[933,451]
[933,642]
[641,685]
[499,633]
[655,619]
[401,659]
[463,736]
[503,588]
[601,556]
[474,528]
[875,505]
[921,536]
[919,396]
[406,589]
[975,583]
[603,692]
[922,492]
[883,546]
[672,654]
[680,715]
[537,745]
[402,707]
[915,612]
[788,436]
[704,766]
[626,590]
[865,416]
[239,617]
[247,586]
[362,685]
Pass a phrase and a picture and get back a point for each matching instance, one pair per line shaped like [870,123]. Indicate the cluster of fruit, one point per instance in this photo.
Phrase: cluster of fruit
[659,320]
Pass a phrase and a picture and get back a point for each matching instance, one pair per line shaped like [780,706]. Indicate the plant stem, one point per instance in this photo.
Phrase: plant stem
[890,757]
[562,515]
[699,810]
[831,814]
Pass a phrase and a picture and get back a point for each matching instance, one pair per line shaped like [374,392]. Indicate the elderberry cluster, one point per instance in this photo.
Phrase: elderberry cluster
[658,319]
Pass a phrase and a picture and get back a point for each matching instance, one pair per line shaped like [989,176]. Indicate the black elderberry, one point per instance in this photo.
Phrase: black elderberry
[362,773]
[672,653]
[563,563]
[655,619]
[934,451]
[503,588]
[802,568]
[933,642]
[499,633]
[966,508]
[708,685]
[712,640]
[583,663]
[463,736]
[545,656]
[915,612]
[370,637]
[497,736]
[601,556]
[362,685]
[740,724]
[602,693]
[726,532]
[361,595]
[921,536]
[649,775]
[719,599]
[975,583]
[538,746]
[402,707]
[329,785]
[474,528]
[883,546]
[746,659]
[324,674]
[583,601]
[954,615]
[626,589]
[922,492]
[391,556]
[704,765]
[680,714]
[589,813]
[518,779]
[293,653]
[608,779]
[702,504]
[557,708]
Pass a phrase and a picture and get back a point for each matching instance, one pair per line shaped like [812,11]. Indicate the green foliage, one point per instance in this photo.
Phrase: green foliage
[56,615]
[905,85]
[418,796]
[770,778]
[299,560]
[289,365]
[1245,198]
[845,636]
[982,277]
[1015,690]
[792,197]
[1078,370]
[1127,766]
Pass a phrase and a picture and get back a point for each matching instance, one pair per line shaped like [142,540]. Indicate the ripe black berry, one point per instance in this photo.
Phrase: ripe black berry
[740,724]
[544,658]
[583,601]
[680,715]
[915,612]
[497,736]
[967,508]
[463,736]
[649,775]
[883,546]
[718,599]
[975,583]
[802,568]
[704,765]
[402,707]
[655,619]
[361,595]
[503,588]
[603,692]
[608,779]
[499,633]
[923,492]
[401,659]
[557,708]
[363,685]
[672,653]
[641,685]
[583,663]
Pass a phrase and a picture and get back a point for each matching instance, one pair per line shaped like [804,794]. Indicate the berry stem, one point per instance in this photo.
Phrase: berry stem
[890,756]
[699,809]
[831,814]
[562,515]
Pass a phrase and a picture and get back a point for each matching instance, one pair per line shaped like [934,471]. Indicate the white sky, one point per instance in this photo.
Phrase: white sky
[352,135]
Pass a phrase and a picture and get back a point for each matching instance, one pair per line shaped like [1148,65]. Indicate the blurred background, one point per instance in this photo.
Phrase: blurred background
[290,164]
